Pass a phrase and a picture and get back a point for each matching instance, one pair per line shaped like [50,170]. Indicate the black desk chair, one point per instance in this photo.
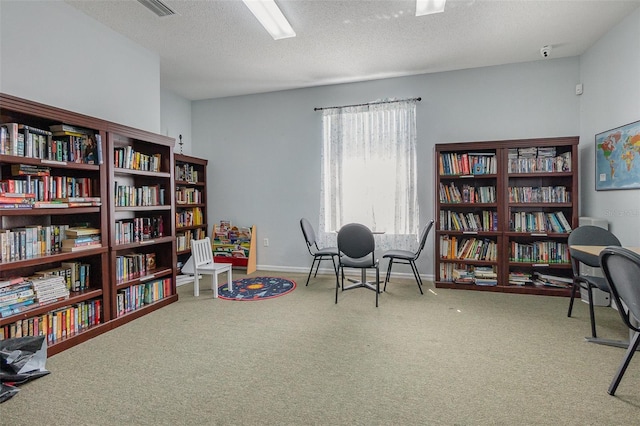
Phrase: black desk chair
[621,269]
[319,254]
[588,236]
[408,257]
[356,246]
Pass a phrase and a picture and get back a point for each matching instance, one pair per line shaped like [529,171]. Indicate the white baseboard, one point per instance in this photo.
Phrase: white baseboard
[329,271]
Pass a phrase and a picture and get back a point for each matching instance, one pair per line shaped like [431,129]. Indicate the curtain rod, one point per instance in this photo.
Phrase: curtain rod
[369,103]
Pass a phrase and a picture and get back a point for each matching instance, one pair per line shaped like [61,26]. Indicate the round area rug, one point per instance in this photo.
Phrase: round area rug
[258,288]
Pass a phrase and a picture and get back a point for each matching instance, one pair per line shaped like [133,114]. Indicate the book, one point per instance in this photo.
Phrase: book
[17,308]
[6,282]
[50,205]
[563,220]
[77,199]
[99,147]
[29,170]
[81,241]
[56,128]
[150,259]
[16,206]
[80,248]
[81,230]
[15,140]
[90,150]
[10,144]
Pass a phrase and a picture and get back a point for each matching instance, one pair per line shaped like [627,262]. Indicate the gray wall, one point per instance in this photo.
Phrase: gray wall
[264,150]
[610,71]
[176,120]
[56,55]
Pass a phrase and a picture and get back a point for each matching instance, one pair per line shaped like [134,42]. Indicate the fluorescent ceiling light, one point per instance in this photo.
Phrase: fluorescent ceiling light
[271,18]
[157,7]
[427,7]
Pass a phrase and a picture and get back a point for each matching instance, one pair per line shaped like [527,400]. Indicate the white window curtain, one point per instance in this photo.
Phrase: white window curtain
[369,172]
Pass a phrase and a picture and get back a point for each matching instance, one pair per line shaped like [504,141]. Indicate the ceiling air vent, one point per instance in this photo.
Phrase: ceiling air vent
[157,7]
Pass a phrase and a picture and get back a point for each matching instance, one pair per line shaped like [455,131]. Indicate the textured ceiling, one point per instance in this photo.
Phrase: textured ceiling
[215,49]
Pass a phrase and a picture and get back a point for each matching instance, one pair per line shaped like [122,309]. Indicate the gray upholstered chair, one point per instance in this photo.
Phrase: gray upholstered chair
[319,254]
[588,236]
[621,269]
[408,257]
[356,246]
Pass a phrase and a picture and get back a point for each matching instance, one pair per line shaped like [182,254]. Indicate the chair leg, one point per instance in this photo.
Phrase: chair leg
[417,275]
[214,284]
[592,315]
[377,285]
[633,346]
[573,295]
[386,279]
[196,284]
[317,267]
[338,283]
[311,270]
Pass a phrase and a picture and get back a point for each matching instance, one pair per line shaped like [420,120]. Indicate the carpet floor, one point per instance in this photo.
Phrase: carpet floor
[448,357]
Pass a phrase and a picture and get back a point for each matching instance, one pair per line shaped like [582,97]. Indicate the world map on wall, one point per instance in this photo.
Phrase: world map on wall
[618,158]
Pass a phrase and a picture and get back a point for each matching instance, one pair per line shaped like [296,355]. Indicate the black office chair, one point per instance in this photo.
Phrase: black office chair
[317,253]
[621,269]
[408,257]
[356,246]
[588,236]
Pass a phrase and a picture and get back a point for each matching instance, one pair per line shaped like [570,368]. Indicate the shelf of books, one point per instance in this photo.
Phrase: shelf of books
[142,222]
[235,245]
[505,210]
[52,183]
[191,203]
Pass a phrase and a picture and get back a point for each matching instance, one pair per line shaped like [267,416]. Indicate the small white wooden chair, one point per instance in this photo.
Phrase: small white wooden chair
[203,264]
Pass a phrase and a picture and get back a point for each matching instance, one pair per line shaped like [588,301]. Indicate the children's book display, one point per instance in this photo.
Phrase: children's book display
[235,245]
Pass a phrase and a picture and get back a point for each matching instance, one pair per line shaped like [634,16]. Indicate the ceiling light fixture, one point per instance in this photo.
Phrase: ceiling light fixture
[271,18]
[427,7]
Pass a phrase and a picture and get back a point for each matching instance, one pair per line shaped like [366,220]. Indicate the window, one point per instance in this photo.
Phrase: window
[369,171]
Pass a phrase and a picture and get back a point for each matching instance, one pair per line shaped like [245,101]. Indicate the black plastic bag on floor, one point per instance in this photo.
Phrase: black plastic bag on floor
[7,392]
[21,359]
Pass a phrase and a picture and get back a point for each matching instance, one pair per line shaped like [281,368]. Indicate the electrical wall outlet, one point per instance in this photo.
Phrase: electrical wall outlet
[265,242]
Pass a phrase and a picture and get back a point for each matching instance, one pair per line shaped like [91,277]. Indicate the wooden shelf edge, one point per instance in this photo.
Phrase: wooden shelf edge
[140,312]
[542,291]
[76,339]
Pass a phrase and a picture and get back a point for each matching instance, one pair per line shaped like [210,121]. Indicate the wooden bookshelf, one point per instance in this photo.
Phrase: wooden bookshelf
[191,203]
[94,293]
[97,298]
[505,214]
[141,221]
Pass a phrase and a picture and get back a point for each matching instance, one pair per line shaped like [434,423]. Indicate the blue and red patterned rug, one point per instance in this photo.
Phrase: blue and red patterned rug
[258,288]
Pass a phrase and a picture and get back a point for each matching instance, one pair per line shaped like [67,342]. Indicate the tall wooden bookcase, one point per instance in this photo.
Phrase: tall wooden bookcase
[141,221]
[96,296]
[109,298]
[191,203]
[499,207]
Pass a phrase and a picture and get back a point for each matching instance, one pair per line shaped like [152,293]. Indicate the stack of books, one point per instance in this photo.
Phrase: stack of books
[520,278]
[462,276]
[50,289]
[546,280]
[485,275]
[16,295]
[81,238]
